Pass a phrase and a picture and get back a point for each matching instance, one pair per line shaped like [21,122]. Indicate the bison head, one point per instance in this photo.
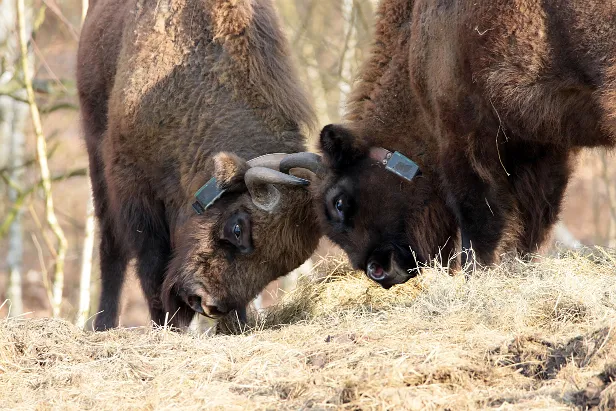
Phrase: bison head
[388,226]
[260,228]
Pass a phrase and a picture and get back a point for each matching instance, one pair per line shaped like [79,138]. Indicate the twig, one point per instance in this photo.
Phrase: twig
[56,10]
[27,163]
[60,106]
[23,194]
[49,70]
[14,97]
[303,26]
[44,272]
[37,221]
[41,149]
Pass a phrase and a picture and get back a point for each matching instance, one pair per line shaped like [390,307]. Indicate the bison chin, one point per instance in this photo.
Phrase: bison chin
[183,297]
[180,314]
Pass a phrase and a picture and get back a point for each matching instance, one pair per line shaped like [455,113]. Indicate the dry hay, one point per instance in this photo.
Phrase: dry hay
[520,336]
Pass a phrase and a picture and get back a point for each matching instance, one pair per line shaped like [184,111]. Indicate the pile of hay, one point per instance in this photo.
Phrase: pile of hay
[520,336]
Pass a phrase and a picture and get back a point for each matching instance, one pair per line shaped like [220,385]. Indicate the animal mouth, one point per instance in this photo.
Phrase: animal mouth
[375,271]
[391,268]
[204,304]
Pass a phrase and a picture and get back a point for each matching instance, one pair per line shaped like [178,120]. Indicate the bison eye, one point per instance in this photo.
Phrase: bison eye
[237,231]
[339,206]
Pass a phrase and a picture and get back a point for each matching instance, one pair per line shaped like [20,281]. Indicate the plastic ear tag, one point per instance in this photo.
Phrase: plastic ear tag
[206,196]
[402,166]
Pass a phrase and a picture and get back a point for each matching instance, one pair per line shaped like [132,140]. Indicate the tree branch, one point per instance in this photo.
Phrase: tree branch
[41,149]
[27,163]
[23,194]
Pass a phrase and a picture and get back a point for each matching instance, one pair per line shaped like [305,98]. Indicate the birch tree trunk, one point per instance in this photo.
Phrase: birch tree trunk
[13,115]
[348,54]
[316,85]
[15,240]
[563,236]
[85,279]
[84,9]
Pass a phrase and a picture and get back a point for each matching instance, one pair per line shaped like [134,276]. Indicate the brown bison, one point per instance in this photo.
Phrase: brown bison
[492,100]
[174,93]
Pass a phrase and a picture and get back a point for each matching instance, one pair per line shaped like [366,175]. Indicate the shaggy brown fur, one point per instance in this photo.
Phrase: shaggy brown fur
[493,99]
[164,86]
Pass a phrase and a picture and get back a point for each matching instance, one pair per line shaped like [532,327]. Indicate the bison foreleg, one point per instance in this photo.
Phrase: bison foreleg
[141,223]
[152,262]
[113,261]
[113,253]
[479,209]
[540,188]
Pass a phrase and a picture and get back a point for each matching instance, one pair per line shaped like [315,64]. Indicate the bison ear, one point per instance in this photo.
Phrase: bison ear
[229,170]
[340,146]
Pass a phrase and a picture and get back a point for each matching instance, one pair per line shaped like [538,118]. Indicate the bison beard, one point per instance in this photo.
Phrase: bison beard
[493,100]
[172,94]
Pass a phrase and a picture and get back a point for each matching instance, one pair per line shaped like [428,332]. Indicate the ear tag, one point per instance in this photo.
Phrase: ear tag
[402,166]
[206,196]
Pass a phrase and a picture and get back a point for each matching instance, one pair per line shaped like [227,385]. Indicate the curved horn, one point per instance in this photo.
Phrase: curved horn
[260,183]
[268,161]
[309,161]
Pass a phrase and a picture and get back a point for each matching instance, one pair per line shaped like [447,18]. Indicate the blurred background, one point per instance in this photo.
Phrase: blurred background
[329,39]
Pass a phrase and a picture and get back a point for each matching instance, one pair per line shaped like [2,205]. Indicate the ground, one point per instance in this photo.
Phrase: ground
[536,335]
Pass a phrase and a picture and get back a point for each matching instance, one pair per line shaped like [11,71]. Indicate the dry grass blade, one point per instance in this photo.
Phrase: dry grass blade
[519,336]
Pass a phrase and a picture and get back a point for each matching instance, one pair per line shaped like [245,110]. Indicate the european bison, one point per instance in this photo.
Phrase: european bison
[172,94]
[492,99]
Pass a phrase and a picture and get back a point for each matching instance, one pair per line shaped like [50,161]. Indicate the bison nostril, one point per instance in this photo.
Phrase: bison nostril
[204,304]
[194,301]
[215,311]
[375,271]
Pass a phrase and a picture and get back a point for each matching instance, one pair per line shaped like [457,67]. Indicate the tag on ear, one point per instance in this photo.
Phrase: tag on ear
[207,195]
[402,166]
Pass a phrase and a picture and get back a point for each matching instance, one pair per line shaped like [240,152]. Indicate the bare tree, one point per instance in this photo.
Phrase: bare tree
[348,53]
[13,115]
[88,241]
[41,152]
[611,198]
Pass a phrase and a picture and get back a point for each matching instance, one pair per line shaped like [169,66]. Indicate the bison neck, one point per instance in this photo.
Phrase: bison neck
[382,107]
